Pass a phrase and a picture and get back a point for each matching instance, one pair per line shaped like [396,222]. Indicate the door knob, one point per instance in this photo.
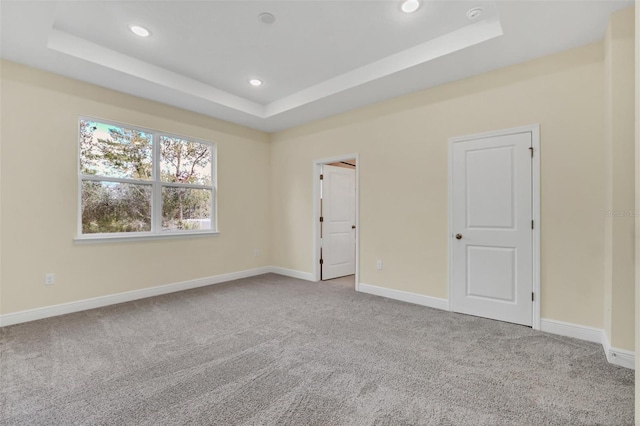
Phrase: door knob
[458,236]
[353,227]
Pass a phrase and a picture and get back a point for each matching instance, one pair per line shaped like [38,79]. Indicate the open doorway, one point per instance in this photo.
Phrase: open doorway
[336,220]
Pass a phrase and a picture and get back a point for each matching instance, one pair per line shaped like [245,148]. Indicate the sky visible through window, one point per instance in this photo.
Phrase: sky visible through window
[95,162]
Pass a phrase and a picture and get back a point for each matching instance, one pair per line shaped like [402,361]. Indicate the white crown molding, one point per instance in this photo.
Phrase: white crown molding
[531,31]
[454,41]
[80,48]
[446,44]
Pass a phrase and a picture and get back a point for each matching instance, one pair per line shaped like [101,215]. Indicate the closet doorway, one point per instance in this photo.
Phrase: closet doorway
[336,217]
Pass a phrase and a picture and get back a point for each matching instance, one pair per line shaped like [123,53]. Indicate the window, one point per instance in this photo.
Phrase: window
[136,182]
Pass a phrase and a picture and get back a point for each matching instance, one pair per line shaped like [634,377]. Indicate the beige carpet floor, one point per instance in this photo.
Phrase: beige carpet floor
[271,350]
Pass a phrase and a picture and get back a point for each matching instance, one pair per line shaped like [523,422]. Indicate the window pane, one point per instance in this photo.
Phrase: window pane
[183,161]
[114,151]
[115,207]
[186,209]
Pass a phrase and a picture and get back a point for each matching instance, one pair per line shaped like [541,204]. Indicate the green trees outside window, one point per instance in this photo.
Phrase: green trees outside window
[137,181]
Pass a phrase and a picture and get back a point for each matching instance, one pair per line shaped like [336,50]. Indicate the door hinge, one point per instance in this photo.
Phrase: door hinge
[321,177]
[321,261]
[532,224]
[531,149]
[533,297]
[321,219]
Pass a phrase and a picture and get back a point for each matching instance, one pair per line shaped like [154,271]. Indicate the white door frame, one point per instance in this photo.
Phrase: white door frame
[534,129]
[315,217]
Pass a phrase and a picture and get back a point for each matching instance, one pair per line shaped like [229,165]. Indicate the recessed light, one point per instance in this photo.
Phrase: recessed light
[139,31]
[474,13]
[410,6]
[266,18]
[255,82]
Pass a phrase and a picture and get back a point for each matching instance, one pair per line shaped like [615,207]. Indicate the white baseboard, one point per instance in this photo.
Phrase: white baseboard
[621,357]
[616,356]
[581,332]
[112,299]
[308,276]
[405,296]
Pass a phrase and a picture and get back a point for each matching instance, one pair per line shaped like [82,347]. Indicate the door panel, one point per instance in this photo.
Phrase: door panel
[338,211]
[491,273]
[492,200]
[495,182]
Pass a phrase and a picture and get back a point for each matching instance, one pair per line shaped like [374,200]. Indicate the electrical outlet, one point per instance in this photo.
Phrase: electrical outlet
[256,253]
[379,264]
[49,279]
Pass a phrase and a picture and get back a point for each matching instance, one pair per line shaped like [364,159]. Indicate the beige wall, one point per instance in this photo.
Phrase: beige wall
[620,168]
[402,145]
[39,196]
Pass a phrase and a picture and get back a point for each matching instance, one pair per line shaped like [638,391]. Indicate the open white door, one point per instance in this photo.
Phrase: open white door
[492,237]
[338,222]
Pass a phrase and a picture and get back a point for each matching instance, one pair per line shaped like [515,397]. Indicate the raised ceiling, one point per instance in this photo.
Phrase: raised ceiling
[317,59]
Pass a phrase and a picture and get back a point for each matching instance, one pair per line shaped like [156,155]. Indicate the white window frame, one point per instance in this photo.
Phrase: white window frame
[156,184]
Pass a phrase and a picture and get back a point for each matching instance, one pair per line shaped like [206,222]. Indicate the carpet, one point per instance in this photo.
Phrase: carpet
[273,350]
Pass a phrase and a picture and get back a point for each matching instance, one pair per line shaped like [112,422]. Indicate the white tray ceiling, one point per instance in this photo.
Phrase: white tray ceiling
[317,59]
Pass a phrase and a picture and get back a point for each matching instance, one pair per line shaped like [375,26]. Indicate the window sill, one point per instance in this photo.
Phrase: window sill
[90,239]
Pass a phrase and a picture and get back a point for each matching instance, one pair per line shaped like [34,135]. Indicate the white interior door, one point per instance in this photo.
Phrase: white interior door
[492,253]
[338,222]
